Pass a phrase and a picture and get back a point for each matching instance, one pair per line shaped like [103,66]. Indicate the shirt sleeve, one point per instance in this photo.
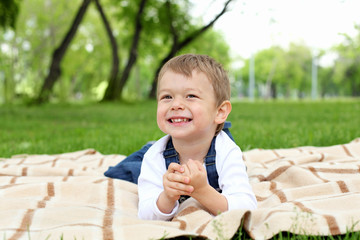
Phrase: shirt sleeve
[233,179]
[150,184]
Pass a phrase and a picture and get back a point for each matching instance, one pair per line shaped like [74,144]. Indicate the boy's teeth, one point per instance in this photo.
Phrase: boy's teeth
[179,120]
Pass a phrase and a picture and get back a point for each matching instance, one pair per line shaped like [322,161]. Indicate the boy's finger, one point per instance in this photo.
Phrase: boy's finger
[175,167]
[178,178]
[182,189]
[195,165]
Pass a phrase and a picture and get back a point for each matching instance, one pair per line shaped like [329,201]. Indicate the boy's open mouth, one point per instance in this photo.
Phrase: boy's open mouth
[179,120]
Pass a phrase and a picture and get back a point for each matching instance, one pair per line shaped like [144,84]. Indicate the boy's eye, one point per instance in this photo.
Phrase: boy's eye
[191,96]
[166,97]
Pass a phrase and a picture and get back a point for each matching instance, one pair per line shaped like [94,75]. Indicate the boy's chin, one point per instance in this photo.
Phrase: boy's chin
[181,135]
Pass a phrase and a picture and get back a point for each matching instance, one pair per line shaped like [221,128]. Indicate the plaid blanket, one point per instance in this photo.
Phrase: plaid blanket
[304,190]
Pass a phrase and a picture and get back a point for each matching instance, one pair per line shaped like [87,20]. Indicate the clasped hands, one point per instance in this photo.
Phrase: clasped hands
[189,179]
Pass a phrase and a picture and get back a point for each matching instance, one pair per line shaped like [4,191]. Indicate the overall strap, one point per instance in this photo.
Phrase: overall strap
[210,164]
[170,155]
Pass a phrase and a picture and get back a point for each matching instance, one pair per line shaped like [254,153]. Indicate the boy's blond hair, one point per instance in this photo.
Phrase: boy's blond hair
[185,64]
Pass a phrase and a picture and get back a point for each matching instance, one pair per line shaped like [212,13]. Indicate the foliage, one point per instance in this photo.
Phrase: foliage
[269,68]
[299,60]
[282,72]
[26,52]
[347,72]
[41,24]
[9,10]
[200,46]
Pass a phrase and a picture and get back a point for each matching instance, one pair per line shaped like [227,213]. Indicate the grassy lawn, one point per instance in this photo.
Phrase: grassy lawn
[123,128]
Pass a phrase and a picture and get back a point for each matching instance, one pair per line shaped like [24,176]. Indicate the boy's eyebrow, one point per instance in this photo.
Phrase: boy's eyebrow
[186,89]
[193,89]
[163,90]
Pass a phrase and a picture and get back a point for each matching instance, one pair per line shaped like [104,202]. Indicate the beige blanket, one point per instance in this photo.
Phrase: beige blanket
[305,190]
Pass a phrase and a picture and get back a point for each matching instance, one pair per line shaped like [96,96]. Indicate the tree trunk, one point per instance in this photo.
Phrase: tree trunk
[178,45]
[351,76]
[115,56]
[115,92]
[355,88]
[273,91]
[269,89]
[58,55]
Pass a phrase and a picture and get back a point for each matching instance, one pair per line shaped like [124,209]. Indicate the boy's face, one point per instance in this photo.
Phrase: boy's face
[186,106]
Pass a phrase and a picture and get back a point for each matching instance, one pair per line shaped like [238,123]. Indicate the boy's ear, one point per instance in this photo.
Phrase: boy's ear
[222,112]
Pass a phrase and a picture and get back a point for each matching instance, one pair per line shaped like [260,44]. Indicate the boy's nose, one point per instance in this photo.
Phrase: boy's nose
[177,104]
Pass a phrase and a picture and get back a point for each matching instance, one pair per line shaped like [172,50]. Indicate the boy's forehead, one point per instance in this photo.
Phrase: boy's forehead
[194,73]
[197,81]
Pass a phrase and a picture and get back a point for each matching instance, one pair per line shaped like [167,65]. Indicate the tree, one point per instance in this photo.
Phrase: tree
[58,54]
[88,64]
[110,92]
[299,60]
[152,51]
[9,10]
[162,15]
[347,70]
[280,71]
[116,86]
[27,48]
[179,42]
[327,86]
[270,67]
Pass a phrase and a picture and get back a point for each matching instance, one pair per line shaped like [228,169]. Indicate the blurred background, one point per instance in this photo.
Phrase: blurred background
[107,50]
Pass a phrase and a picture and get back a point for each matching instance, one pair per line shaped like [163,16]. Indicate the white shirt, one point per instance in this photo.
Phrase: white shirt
[233,179]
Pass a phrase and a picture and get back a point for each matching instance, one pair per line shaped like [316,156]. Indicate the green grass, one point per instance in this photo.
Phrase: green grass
[123,128]
[291,124]
[109,128]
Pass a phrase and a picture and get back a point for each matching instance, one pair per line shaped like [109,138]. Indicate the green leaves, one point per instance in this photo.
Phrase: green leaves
[346,70]
[9,10]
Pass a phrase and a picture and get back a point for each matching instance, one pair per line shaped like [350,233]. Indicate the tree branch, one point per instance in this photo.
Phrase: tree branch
[177,46]
[197,33]
[174,34]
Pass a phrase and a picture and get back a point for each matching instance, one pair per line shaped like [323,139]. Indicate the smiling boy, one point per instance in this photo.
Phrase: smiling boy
[196,158]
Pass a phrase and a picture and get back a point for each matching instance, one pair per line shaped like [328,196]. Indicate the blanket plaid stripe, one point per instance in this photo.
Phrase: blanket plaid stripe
[303,190]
